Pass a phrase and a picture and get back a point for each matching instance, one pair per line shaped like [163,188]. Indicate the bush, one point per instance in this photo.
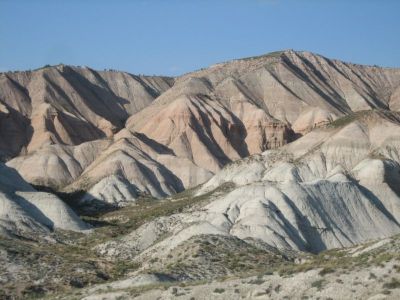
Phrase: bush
[394,284]
[256,281]
[318,284]
[326,270]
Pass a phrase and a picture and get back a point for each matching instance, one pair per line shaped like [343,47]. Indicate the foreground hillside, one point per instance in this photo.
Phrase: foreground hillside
[371,271]
[230,270]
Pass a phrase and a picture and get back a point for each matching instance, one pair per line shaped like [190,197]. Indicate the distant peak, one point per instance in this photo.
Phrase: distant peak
[278,54]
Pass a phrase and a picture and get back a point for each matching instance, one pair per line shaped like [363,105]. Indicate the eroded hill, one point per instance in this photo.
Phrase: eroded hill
[262,167]
[159,135]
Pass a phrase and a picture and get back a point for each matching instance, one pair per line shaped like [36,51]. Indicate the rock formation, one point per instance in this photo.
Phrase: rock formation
[169,134]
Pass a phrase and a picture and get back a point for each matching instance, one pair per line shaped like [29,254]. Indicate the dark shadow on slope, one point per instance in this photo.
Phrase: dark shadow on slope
[305,78]
[101,100]
[19,87]
[376,201]
[167,174]
[160,148]
[371,91]
[78,130]
[392,175]
[207,138]
[335,95]
[394,184]
[236,134]
[288,227]
[72,199]
[311,234]
[33,211]
[291,135]
[154,93]
[15,134]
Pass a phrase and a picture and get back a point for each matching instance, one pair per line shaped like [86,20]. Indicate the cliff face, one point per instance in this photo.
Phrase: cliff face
[162,135]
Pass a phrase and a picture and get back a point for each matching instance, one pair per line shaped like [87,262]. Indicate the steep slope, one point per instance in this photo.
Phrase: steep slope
[28,213]
[335,187]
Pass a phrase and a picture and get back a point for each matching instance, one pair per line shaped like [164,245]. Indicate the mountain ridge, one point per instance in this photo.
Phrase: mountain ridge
[205,118]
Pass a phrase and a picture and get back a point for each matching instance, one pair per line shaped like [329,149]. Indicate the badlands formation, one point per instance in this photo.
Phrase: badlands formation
[268,164]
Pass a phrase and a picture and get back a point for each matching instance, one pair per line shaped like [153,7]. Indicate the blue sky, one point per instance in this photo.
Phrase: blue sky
[172,37]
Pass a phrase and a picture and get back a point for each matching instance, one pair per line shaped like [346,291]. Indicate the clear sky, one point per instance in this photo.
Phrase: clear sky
[172,37]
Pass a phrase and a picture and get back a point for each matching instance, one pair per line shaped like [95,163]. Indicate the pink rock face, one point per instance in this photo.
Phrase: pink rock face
[199,129]
[166,134]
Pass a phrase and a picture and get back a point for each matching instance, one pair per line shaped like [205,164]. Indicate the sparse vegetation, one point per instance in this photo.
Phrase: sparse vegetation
[256,281]
[343,121]
[208,256]
[219,256]
[360,115]
[274,54]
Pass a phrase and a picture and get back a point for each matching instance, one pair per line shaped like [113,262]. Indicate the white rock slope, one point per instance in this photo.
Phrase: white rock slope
[27,212]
